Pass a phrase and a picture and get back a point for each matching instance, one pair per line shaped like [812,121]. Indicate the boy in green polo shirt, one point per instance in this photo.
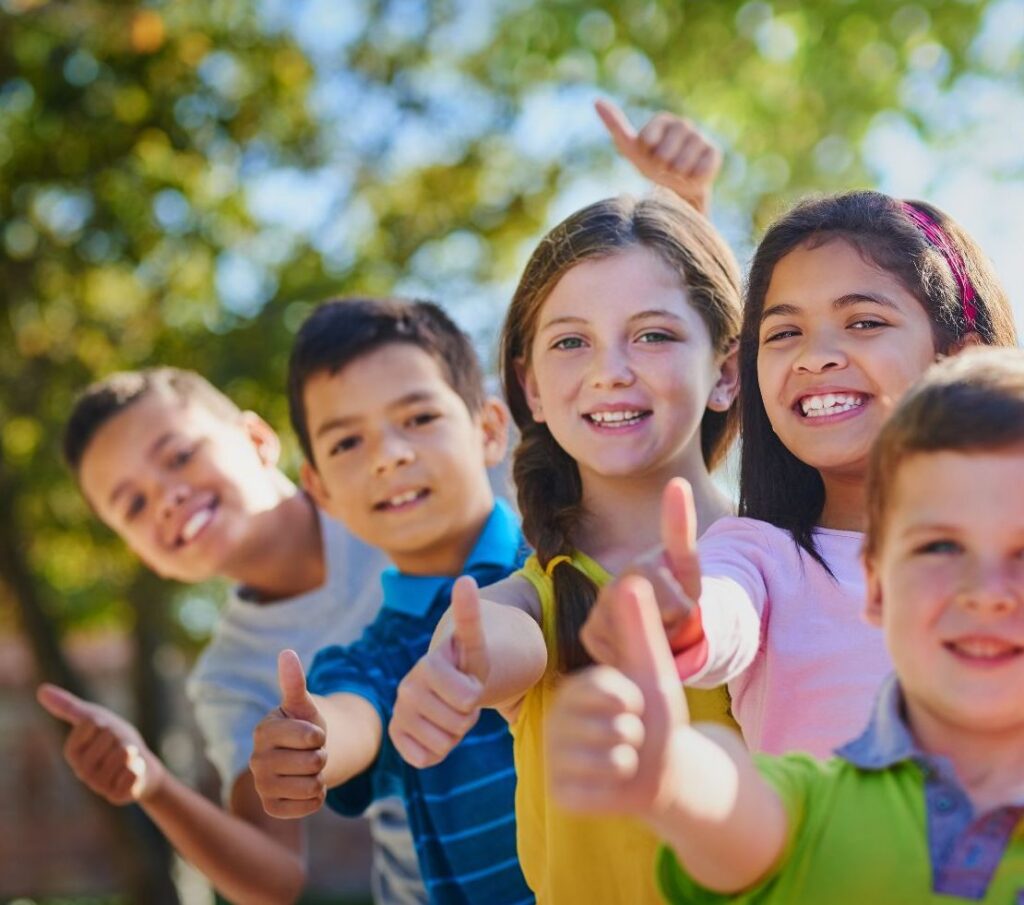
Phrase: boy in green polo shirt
[927,805]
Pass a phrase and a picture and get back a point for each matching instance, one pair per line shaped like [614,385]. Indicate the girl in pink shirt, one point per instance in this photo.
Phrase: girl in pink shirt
[849,299]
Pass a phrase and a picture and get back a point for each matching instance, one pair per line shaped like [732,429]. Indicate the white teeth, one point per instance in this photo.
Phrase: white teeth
[616,418]
[830,404]
[197,521]
[404,498]
[983,648]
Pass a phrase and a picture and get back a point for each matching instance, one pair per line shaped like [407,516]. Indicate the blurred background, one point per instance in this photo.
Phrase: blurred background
[180,182]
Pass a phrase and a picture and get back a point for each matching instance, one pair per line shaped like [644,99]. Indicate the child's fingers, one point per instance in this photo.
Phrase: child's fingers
[435,676]
[61,703]
[433,739]
[411,751]
[653,131]
[645,656]
[293,762]
[289,809]
[281,732]
[298,788]
[675,139]
[618,125]
[469,638]
[679,534]
[296,701]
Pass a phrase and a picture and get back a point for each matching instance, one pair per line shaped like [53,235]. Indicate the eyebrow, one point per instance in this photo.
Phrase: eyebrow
[639,316]
[844,301]
[152,453]
[345,421]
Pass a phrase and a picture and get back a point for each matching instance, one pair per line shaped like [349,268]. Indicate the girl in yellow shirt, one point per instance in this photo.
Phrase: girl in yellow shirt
[618,360]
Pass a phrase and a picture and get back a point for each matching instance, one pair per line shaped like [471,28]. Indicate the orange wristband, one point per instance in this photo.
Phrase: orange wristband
[689,645]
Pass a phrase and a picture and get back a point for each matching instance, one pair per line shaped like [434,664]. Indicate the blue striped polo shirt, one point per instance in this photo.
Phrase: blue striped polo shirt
[461,811]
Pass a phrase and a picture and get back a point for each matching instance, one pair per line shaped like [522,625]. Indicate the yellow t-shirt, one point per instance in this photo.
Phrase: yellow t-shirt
[566,857]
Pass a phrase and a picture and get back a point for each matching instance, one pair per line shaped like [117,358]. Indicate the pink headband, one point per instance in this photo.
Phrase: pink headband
[940,242]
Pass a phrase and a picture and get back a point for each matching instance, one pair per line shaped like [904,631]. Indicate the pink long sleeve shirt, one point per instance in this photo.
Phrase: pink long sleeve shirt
[802,664]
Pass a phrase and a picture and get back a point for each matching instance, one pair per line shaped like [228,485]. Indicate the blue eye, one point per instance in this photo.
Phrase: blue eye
[655,336]
[569,342]
[940,547]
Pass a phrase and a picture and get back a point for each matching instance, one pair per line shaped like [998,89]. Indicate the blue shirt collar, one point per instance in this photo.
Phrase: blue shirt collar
[498,550]
[887,740]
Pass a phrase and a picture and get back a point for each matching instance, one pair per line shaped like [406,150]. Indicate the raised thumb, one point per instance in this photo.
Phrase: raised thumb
[679,535]
[61,703]
[617,124]
[470,643]
[296,701]
[644,654]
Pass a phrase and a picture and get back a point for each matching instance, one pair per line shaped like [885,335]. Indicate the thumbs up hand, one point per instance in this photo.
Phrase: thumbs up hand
[673,571]
[103,750]
[438,700]
[668,150]
[610,733]
[289,752]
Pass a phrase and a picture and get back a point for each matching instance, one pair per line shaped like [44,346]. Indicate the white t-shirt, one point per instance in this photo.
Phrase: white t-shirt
[234,683]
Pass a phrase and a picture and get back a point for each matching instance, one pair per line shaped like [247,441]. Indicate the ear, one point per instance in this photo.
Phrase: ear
[723,393]
[313,484]
[263,437]
[524,374]
[494,422]
[968,341]
[873,611]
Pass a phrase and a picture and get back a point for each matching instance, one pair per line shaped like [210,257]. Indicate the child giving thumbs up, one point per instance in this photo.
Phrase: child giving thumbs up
[620,742]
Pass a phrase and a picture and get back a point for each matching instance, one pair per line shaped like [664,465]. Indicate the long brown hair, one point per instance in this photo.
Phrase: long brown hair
[547,478]
[776,486]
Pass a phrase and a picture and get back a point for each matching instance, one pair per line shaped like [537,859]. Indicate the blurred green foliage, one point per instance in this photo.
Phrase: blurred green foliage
[143,148]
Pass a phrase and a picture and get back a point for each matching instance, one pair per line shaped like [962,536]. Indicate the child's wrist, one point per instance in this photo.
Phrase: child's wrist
[689,645]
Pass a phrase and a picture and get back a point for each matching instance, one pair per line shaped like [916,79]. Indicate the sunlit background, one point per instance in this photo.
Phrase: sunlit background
[181,182]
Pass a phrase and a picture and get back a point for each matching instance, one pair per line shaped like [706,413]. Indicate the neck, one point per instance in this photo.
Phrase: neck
[845,506]
[448,555]
[623,514]
[284,555]
[988,764]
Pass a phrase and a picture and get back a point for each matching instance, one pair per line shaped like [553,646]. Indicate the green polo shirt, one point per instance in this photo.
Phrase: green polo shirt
[883,823]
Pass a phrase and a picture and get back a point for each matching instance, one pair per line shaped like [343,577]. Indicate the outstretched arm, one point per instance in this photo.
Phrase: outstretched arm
[485,653]
[619,741]
[310,744]
[246,855]
[668,150]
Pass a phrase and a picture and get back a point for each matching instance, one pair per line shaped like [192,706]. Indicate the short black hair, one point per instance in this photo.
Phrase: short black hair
[341,330]
[102,400]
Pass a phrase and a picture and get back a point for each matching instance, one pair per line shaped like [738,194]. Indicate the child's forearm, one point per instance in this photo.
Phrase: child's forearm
[725,823]
[256,859]
[354,733]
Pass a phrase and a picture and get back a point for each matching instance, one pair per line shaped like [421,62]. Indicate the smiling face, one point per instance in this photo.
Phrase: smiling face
[622,368]
[947,584]
[840,341]
[400,459]
[181,485]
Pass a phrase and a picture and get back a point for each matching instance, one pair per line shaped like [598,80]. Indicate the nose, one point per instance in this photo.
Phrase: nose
[611,368]
[171,497]
[393,451]
[992,590]
[818,355]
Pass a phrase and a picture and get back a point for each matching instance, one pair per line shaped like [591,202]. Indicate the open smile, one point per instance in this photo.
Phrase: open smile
[984,651]
[829,406]
[616,419]
[195,524]
[403,501]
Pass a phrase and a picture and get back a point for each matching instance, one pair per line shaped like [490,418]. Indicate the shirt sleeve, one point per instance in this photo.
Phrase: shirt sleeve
[794,777]
[735,556]
[359,669]
[226,715]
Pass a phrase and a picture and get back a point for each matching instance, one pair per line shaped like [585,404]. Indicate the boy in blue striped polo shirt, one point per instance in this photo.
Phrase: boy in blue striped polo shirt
[387,400]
